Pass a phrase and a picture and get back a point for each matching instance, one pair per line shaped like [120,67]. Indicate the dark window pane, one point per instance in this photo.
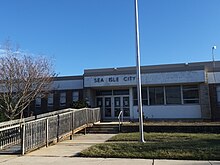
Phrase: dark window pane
[117,111]
[134,93]
[144,102]
[191,101]
[218,94]
[135,102]
[126,102]
[173,95]
[126,112]
[104,93]
[156,95]
[108,102]
[190,94]
[99,102]
[121,92]
[144,96]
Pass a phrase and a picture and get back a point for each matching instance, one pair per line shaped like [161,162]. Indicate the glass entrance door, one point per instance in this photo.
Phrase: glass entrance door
[112,105]
[121,103]
[117,106]
[107,107]
[126,106]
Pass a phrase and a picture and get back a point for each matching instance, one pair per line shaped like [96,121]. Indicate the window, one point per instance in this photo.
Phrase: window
[99,102]
[103,93]
[38,101]
[112,92]
[144,96]
[75,95]
[135,99]
[218,94]
[121,92]
[190,94]
[63,99]
[156,95]
[173,95]
[50,100]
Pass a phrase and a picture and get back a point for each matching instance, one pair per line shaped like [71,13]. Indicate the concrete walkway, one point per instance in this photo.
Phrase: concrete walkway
[65,153]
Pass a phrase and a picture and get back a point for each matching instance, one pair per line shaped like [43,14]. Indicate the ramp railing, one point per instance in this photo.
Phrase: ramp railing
[50,128]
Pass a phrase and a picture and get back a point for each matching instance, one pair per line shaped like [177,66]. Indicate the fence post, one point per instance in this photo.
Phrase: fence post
[87,121]
[85,131]
[47,132]
[71,136]
[23,139]
[87,116]
[58,127]
[94,116]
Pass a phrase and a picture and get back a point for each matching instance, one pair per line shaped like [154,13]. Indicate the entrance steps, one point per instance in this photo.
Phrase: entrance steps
[104,128]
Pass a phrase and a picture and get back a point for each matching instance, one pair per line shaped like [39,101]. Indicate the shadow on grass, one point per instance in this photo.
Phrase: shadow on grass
[160,146]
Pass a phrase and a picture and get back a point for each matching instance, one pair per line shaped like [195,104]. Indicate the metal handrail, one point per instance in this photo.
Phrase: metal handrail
[39,132]
[120,115]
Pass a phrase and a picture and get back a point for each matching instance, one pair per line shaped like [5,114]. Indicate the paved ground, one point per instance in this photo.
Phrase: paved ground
[65,153]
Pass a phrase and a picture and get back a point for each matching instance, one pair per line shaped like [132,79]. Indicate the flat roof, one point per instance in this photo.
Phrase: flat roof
[68,78]
[208,66]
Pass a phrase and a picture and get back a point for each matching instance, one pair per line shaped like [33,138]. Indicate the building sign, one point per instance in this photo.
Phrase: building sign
[113,79]
[147,79]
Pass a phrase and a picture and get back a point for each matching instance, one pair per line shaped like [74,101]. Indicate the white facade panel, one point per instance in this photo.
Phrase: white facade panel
[170,112]
[67,84]
[147,79]
[174,77]
[213,78]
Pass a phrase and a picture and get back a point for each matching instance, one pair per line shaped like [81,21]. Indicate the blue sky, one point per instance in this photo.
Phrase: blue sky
[86,34]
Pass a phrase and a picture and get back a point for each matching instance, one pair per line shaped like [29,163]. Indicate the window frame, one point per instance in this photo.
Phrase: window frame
[63,99]
[50,100]
[75,98]
[194,100]
[145,100]
[38,101]
[218,94]
[156,101]
[169,96]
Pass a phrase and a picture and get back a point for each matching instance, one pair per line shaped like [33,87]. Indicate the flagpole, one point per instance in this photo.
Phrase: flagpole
[138,70]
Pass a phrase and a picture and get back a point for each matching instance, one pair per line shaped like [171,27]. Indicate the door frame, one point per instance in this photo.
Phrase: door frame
[113,106]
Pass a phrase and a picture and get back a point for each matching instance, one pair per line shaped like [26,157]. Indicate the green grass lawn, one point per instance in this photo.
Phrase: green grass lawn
[159,146]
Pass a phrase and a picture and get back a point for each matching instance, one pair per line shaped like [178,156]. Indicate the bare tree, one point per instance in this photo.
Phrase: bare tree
[22,78]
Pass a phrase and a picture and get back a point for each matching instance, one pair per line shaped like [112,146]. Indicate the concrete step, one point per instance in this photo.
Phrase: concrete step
[103,128]
[101,132]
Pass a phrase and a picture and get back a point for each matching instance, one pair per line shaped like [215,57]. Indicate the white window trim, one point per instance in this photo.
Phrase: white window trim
[38,101]
[63,103]
[50,104]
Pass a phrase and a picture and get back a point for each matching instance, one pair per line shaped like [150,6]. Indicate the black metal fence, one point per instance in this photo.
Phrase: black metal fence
[46,128]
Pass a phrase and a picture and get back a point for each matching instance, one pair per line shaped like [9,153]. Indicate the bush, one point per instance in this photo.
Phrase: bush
[79,104]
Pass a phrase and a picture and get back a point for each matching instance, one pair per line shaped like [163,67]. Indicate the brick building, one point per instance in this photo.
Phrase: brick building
[173,91]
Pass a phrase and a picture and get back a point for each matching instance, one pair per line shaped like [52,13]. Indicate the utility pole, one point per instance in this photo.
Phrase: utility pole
[138,70]
[213,63]
[213,56]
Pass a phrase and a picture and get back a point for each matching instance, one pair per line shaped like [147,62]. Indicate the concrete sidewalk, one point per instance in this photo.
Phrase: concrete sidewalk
[65,153]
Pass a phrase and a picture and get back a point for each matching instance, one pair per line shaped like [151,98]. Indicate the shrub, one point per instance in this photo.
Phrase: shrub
[79,104]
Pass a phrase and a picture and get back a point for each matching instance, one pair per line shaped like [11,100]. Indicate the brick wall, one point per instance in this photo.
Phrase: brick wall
[204,101]
[215,107]
[32,110]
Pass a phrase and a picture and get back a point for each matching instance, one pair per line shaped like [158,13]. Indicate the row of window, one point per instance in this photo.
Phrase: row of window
[112,92]
[218,94]
[50,99]
[160,95]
